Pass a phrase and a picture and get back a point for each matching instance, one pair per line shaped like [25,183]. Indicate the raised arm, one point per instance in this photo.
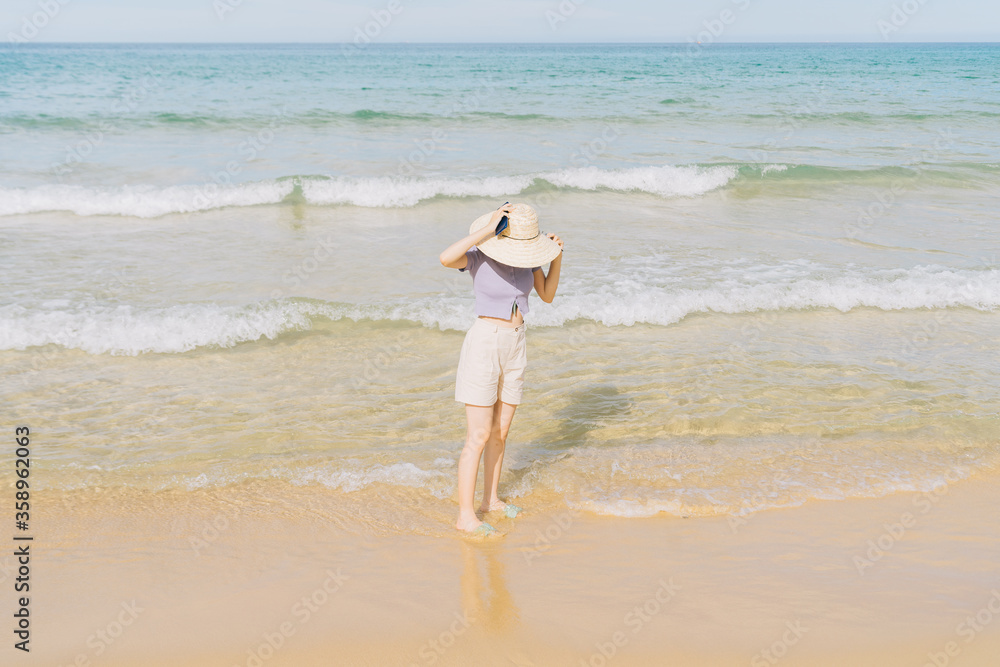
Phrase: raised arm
[453,256]
[546,285]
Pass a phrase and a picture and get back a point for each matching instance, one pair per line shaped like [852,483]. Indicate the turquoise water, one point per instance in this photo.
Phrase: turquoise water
[780,278]
[163,115]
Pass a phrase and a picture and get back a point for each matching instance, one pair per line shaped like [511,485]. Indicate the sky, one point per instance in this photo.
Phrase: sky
[499,20]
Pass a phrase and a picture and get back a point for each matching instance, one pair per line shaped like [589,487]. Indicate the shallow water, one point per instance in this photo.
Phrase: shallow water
[766,297]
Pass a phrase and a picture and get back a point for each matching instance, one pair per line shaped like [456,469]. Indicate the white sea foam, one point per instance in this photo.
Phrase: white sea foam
[737,475]
[141,201]
[394,191]
[681,478]
[629,302]
[360,477]
[664,181]
[629,508]
[744,475]
[130,330]
[146,201]
[792,493]
[768,168]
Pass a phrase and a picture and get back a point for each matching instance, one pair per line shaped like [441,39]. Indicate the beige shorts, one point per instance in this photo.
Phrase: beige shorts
[491,364]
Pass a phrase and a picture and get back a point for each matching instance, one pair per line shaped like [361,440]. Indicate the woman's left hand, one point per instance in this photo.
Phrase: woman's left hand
[556,239]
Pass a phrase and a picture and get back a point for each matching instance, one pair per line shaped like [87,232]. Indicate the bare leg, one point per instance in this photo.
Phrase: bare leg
[480,422]
[503,414]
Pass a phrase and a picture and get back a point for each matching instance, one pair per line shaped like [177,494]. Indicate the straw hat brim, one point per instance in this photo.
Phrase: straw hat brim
[538,251]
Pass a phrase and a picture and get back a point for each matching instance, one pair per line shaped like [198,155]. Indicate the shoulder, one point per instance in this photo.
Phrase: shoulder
[473,258]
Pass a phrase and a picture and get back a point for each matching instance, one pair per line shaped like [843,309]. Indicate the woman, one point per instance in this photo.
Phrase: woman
[504,252]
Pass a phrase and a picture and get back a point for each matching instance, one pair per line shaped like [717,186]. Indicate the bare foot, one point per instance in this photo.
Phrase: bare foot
[497,505]
[468,525]
[500,506]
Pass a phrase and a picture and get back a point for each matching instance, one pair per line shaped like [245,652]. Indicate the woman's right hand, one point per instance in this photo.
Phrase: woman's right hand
[499,213]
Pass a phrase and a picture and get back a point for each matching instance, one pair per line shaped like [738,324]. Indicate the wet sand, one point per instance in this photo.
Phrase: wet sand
[266,578]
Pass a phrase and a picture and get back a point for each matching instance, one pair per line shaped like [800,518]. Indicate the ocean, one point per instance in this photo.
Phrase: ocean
[780,281]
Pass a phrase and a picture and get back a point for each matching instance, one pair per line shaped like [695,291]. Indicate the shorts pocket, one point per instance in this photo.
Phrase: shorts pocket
[516,360]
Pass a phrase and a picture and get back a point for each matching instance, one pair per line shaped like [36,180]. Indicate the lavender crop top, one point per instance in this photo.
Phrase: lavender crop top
[498,286]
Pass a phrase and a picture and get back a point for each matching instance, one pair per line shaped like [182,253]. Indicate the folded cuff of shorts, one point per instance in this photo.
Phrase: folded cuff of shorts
[476,398]
[511,397]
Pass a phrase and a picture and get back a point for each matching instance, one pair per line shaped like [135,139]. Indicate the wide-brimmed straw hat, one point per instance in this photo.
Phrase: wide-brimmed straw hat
[521,244]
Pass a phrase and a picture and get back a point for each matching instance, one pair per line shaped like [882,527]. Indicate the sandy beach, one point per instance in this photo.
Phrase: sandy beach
[265,578]
[760,416]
